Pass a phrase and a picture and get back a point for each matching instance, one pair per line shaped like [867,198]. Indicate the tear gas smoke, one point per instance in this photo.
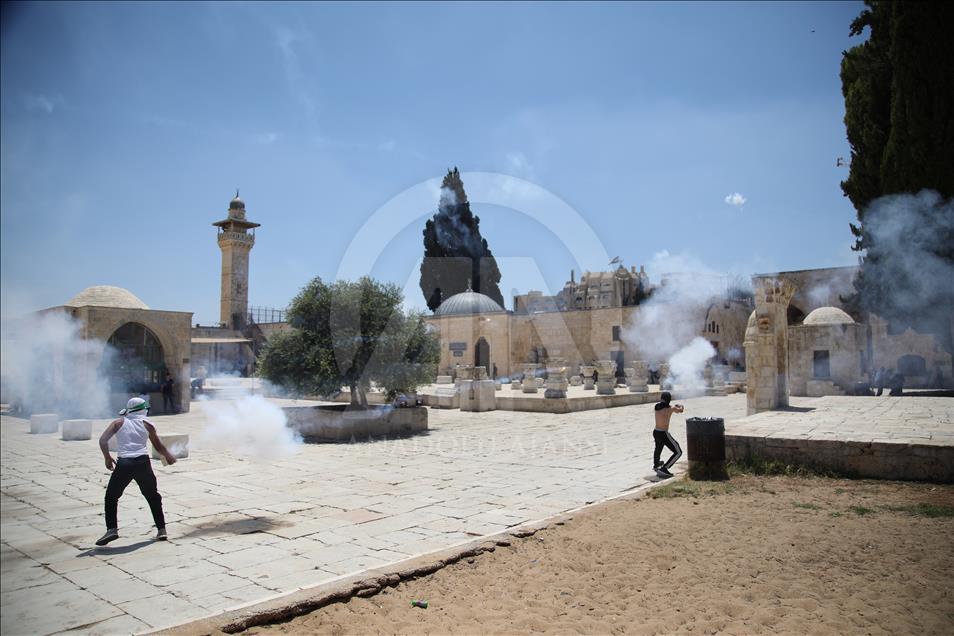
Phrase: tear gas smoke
[47,366]
[666,327]
[910,258]
[251,426]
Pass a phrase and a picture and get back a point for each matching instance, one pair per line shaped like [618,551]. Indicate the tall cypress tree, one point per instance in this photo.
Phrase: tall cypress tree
[455,254]
[899,116]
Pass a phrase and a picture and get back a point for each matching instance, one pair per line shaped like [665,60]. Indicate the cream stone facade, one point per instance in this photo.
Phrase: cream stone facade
[145,344]
[826,351]
[236,243]
[476,333]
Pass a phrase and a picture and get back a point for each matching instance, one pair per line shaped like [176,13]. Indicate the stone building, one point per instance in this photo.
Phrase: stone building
[475,330]
[596,290]
[801,341]
[144,345]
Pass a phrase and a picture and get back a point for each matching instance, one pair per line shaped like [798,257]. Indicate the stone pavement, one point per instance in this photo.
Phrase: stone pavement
[244,530]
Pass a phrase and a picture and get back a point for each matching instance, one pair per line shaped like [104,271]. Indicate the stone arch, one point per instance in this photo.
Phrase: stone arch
[482,354]
[794,315]
[138,360]
[911,365]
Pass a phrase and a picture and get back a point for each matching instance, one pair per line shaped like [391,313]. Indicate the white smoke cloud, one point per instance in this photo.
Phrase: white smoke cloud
[911,234]
[736,199]
[686,365]
[47,366]
[251,426]
[666,327]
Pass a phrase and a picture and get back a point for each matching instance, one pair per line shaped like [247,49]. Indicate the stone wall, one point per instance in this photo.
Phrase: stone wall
[845,345]
[463,332]
[876,460]
[172,328]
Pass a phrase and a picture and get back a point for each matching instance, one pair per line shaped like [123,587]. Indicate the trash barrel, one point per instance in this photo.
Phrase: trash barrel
[705,441]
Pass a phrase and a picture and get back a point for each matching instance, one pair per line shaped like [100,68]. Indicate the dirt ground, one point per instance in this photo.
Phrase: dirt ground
[754,555]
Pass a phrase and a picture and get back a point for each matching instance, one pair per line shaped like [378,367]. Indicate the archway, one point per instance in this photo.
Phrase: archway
[794,315]
[136,361]
[482,354]
[911,364]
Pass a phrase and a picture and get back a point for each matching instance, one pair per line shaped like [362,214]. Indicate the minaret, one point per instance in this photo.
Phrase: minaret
[236,242]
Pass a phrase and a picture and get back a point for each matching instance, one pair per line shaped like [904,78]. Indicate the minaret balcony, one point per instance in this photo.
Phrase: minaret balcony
[236,238]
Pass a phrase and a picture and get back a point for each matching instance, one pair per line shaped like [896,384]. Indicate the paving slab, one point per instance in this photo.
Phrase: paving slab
[244,529]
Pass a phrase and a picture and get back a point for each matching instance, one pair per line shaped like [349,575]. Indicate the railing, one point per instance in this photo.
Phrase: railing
[265,315]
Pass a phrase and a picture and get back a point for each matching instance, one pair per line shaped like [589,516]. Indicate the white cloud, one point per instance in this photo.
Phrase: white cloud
[736,199]
[517,163]
[287,40]
[43,103]
[266,138]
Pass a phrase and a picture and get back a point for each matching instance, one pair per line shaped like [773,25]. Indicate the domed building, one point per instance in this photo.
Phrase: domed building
[826,353]
[143,345]
[816,348]
[474,330]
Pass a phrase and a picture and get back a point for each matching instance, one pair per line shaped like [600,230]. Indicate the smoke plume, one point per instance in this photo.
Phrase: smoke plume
[47,366]
[910,260]
[667,325]
[250,426]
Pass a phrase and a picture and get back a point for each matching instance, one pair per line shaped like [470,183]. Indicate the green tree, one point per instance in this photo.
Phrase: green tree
[455,254]
[899,116]
[352,334]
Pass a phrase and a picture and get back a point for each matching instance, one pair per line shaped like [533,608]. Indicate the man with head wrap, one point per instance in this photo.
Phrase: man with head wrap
[131,431]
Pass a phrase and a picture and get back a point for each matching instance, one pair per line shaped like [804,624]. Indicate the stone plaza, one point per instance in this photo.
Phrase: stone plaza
[244,530]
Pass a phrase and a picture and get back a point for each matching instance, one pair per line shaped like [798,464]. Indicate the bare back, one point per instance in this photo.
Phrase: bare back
[664,415]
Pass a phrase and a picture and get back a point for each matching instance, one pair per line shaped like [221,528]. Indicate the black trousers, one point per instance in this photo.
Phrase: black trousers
[126,470]
[663,438]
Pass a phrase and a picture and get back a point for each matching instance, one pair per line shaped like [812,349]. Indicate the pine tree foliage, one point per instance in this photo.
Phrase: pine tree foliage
[455,254]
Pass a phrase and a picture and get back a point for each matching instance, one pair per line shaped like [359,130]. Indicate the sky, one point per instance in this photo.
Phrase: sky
[677,136]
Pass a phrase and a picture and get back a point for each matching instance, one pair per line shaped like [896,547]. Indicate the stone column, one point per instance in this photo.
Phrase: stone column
[638,381]
[606,382]
[477,391]
[556,384]
[530,377]
[628,373]
[587,372]
[665,382]
[766,346]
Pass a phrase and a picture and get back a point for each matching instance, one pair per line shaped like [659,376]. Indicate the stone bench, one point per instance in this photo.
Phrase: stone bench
[175,443]
[44,423]
[77,429]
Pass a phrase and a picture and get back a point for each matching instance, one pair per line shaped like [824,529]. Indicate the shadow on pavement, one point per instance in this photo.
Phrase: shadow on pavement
[119,549]
[235,526]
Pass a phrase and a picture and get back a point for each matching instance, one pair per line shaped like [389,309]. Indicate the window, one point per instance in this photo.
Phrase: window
[821,367]
[616,330]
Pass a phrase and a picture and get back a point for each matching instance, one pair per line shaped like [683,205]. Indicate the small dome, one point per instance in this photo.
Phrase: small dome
[236,203]
[106,296]
[828,316]
[466,303]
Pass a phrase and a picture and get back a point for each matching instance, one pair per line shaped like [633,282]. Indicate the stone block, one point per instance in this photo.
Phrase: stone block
[175,443]
[77,429]
[445,379]
[44,423]
[575,380]
[477,396]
